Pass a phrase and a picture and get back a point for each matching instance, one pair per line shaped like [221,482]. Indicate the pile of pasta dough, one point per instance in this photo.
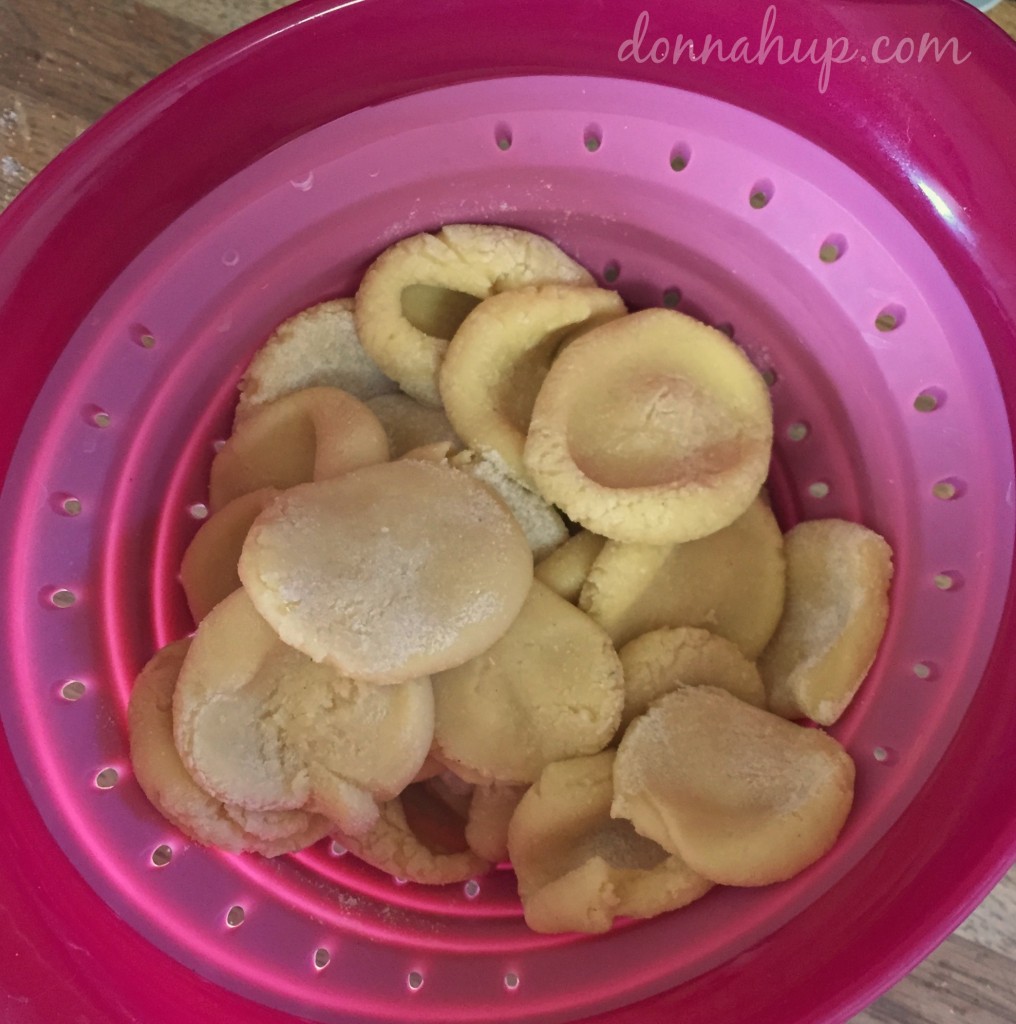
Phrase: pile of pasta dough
[490,575]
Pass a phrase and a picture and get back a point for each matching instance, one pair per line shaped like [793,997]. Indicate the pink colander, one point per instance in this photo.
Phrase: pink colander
[845,213]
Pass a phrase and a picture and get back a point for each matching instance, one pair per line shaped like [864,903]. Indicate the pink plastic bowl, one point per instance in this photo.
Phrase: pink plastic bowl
[863,258]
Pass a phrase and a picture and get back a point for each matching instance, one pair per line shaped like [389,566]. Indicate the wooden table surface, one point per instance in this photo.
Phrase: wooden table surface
[64,63]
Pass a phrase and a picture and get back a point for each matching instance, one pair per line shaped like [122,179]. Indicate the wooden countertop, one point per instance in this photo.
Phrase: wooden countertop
[64,63]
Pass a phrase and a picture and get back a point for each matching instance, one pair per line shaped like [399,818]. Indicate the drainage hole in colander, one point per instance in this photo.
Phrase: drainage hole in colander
[162,855]
[925,670]
[398,881]
[143,336]
[885,755]
[235,916]
[890,318]
[503,137]
[761,194]
[769,376]
[611,272]
[797,431]
[72,690]
[414,980]
[66,504]
[218,445]
[929,400]
[230,258]
[471,889]
[671,298]
[680,156]
[832,248]
[949,489]
[511,981]
[96,416]
[819,489]
[726,328]
[322,958]
[337,849]
[199,510]
[107,778]
[948,580]
[593,138]
[61,597]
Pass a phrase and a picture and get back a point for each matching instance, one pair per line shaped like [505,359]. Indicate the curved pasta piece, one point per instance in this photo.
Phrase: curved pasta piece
[565,569]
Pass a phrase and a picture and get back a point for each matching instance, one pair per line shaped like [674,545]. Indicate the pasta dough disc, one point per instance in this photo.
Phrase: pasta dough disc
[659,661]
[409,424]
[731,583]
[174,793]
[577,867]
[838,577]
[318,346]
[490,812]
[498,358]
[550,688]
[415,295]
[653,428]
[262,726]
[743,796]
[208,572]
[314,434]
[390,572]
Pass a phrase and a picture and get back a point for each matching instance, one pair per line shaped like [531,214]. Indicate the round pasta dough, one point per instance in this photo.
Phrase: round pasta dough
[634,588]
[653,428]
[262,726]
[390,572]
[410,424]
[498,358]
[174,793]
[318,346]
[313,434]
[577,867]
[565,569]
[208,572]
[659,661]
[743,796]
[550,688]
[491,808]
[838,577]
[415,295]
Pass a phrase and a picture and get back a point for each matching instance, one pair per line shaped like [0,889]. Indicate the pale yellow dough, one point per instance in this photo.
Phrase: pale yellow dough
[314,434]
[577,867]
[409,424]
[490,811]
[663,659]
[173,791]
[550,688]
[390,572]
[565,569]
[415,295]
[208,572]
[743,796]
[262,726]
[318,346]
[838,577]
[731,583]
[653,428]
[498,358]
[419,837]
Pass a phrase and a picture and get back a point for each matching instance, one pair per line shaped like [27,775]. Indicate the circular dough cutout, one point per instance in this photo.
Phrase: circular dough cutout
[313,434]
[498,358]
[390,572]
[317,347]
[550,688]
[415,295]
[742,795]
[634,588]
[577,867]
[174,793]
[653,428]
[659,661]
